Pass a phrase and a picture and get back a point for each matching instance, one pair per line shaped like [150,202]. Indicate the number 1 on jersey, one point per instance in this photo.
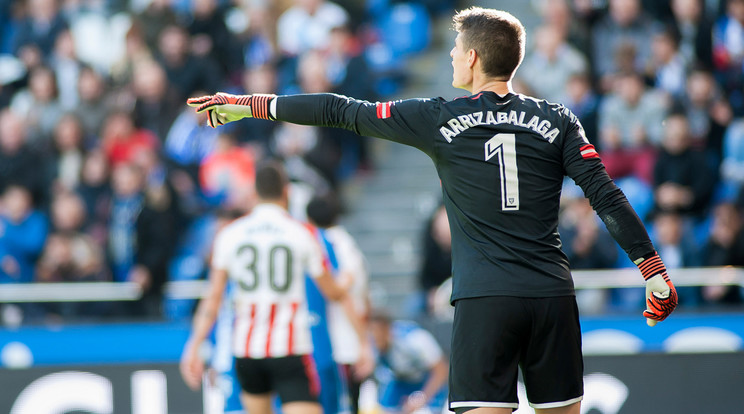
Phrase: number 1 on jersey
[504,147]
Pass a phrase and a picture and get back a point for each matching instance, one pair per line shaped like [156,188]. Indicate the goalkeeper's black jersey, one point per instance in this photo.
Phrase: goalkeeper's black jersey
[501,161]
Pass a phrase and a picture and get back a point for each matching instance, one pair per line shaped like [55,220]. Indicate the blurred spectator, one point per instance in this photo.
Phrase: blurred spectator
[65,161]
[121,140]
[586,243]
[732,166]
[728,46]
[139,237]
[92,107]
[135,50]
[553,61]
[260,37]
[412,369]
[95,190]
[228,174]
[155,105]
[707,111]
[436,265]
[158,15]
[71,255]
[211,36]
[667,67]
[630,125]
[66,68]
[38,105]
[22,234]
[19,164]
[683,180]
[625,26]
[346,67]
[40,28]
[694,30]
[185,71]
[559,15]
[307,25]
[724,247]
[675,245]
[584,103]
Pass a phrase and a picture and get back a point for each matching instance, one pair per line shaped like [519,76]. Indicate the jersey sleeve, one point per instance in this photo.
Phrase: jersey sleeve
[582,163]
[221,251]
[410,122]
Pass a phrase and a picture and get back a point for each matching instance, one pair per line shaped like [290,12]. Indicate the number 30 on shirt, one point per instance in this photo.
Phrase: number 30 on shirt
[503,147]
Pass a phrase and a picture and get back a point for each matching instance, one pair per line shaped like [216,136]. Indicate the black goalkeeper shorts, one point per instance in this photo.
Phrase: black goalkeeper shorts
[294,378]
[494,336]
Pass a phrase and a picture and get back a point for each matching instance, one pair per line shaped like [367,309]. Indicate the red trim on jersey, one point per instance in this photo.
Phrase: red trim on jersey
[272,315]
[588,151]
[290,345]
[312,374]
[252,323]
[384,109]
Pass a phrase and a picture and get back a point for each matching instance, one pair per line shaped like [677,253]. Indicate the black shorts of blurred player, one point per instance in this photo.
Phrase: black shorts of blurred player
[294,379]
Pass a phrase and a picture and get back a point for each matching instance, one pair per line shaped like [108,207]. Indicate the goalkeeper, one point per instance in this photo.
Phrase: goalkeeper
[501,158]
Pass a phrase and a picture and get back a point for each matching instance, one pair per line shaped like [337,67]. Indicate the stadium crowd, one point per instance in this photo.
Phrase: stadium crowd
[105,174]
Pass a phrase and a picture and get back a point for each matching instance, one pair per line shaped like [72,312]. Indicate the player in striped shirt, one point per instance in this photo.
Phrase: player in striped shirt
[267,254]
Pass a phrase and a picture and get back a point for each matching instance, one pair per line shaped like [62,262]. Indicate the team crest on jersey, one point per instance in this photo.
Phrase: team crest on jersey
[383,109]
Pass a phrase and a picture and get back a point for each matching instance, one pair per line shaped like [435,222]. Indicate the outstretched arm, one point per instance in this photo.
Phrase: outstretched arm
[411,122]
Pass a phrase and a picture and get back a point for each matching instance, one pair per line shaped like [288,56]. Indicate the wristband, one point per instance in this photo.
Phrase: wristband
[260,106]
[652,266]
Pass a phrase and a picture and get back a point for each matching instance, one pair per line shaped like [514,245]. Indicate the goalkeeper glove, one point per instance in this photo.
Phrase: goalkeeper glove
[224,107]
[661,297]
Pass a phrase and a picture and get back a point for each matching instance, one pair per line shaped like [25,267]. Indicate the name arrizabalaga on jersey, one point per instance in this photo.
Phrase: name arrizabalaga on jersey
[461,123]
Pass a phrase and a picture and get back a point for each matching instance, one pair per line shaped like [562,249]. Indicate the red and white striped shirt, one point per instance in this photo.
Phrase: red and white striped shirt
[267,253]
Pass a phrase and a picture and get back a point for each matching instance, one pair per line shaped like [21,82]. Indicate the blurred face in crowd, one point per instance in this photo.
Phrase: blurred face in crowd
[95,168]
[624,12]
[203,8]
[676,134]
[118,126]
[43,84]
[16,203]
[68,212]
[64,46]
[547,41]
[126,180]
[12,132]
[735,9]
[312,73]
[42,10]
[686,10]
[578,87]
[663,47]
[700,88]
[149,81]
[630,89]
[68,135]
[261,79]
[173,44]
[90,85]
[668,228]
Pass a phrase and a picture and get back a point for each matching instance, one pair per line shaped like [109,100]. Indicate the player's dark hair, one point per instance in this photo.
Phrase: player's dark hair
[323,210]
[271,179]
[497,37]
